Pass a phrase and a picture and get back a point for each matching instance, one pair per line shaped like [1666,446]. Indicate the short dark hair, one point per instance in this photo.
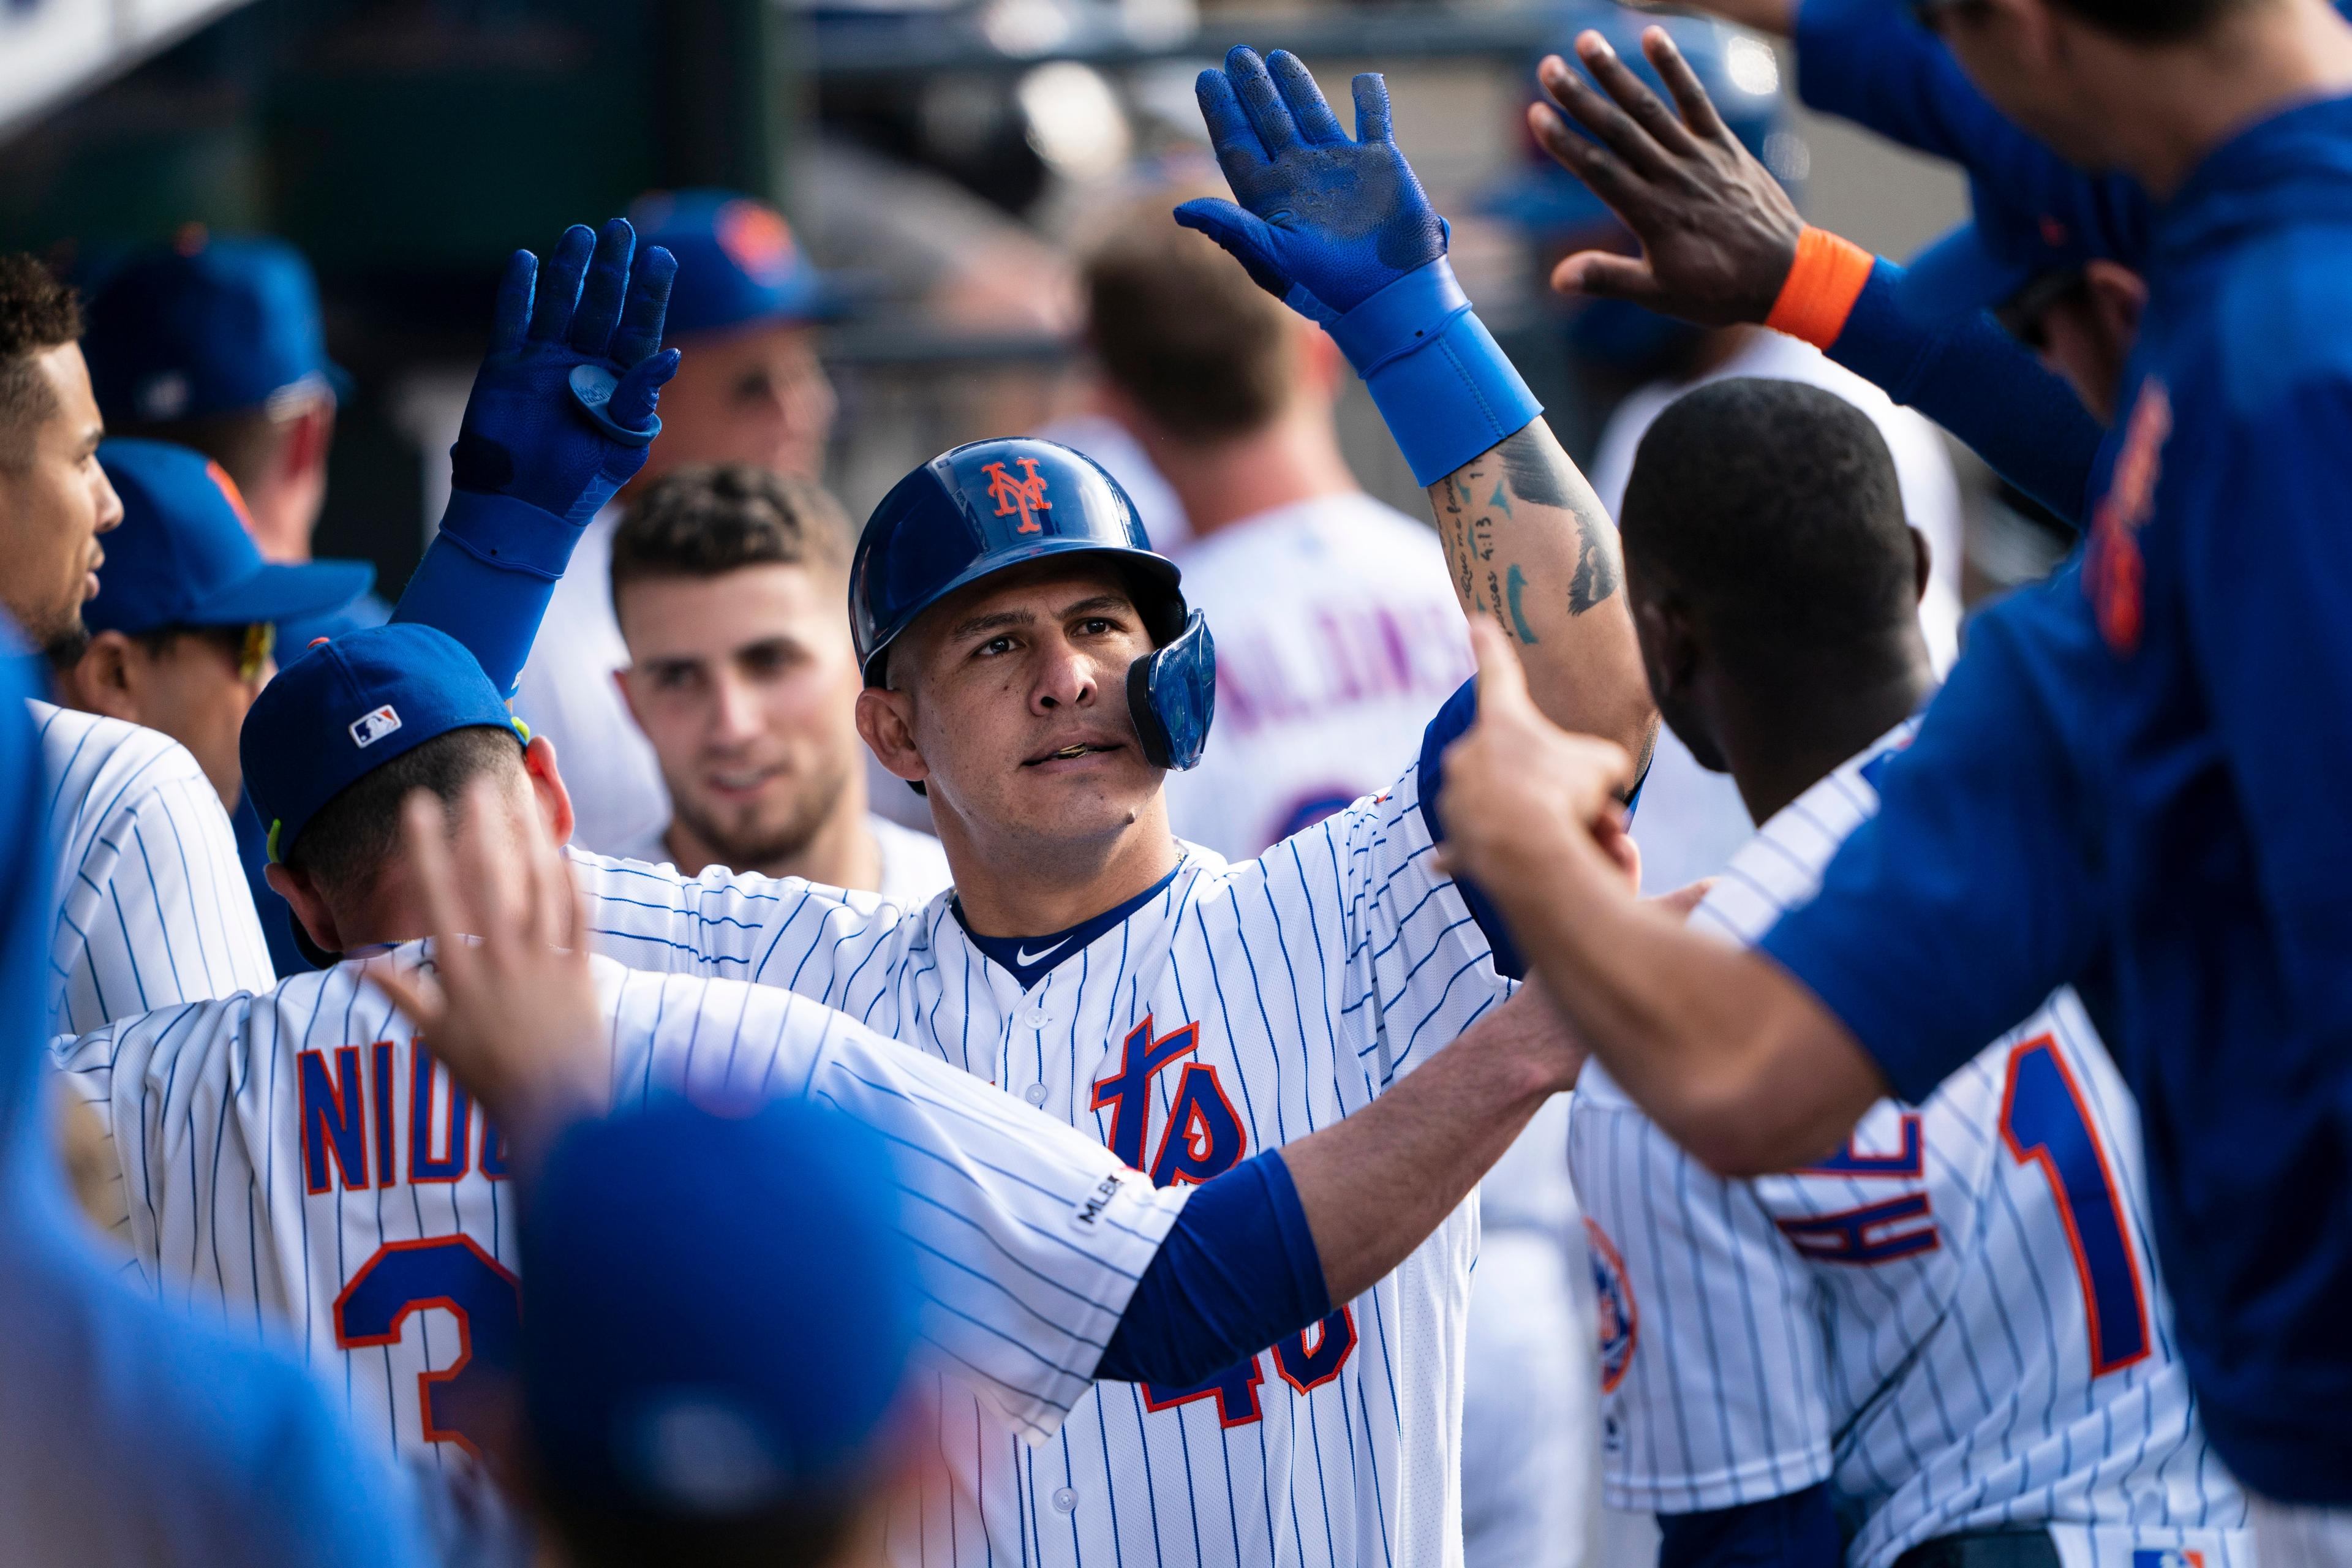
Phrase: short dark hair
[607,1533]
[243,442]
[347,841]
[1772,511]
[1180,328]
[708,519]
[37,313]
[2151,21]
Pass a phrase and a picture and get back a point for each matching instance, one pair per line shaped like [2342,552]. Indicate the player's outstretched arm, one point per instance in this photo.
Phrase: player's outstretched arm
[1722,243]
[1736,1060]
[1339,228]
[560,419]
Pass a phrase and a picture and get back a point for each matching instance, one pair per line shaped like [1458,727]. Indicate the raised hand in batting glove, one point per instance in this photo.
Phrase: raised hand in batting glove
[1325,222]
[562,407]
[1342,231]
[561,415]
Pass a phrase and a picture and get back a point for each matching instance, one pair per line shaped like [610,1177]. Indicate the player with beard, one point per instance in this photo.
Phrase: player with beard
[728,583]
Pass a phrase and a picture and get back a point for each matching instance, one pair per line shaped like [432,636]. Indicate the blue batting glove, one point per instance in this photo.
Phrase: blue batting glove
[559,419]
[590,321]
[1324,223]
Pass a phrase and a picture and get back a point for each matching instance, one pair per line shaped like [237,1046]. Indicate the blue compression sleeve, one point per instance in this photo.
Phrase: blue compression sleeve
[494,610]
[1873,64]
[1799,1531]
[1237,1272]
[1983,386]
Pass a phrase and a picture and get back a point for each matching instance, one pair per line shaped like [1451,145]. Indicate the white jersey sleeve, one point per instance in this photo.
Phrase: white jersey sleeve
[294,1159]
[152,904]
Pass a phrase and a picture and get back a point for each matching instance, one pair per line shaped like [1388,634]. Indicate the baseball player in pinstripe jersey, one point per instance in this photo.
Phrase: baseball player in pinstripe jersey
[151,909]
[298,1157]
[1032,666]
[1954,1323]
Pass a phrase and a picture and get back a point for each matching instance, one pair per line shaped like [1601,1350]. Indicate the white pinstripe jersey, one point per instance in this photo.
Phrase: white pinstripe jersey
[294,1159]
[153,906]
[1239,1007]
[1957,1319]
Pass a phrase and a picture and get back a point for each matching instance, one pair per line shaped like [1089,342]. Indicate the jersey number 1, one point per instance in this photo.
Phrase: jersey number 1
[2043,1121]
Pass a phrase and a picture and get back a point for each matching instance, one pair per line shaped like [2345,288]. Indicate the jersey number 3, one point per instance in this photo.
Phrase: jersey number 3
[460,1277]
[2043,1121]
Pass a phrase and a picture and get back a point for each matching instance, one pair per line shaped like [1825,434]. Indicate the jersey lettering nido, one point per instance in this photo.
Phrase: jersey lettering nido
[1957,1319]
[153,906]
[1243,1006]
[294,1159]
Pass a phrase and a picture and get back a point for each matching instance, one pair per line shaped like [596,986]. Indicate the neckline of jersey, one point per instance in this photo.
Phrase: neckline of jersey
[1009,952]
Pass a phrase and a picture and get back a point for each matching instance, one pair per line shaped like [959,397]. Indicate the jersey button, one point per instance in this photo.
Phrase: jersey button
[1065,1501]
[1034,1094]
[1037,1018]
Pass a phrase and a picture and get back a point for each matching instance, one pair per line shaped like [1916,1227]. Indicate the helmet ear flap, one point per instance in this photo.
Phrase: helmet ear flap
[1171,693]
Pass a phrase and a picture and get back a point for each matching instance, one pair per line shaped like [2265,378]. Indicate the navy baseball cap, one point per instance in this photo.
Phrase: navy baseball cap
[347,706]
[721,1309]
[738,263]
[184,554]
[206,325]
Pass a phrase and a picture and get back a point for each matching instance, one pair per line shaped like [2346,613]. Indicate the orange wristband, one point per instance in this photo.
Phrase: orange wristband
[1821,287]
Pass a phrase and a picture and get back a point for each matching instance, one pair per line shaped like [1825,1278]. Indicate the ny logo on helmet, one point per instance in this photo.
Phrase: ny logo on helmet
[1025,494]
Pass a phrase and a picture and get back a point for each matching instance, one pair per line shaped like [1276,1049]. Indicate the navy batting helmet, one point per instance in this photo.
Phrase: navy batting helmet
[989,506]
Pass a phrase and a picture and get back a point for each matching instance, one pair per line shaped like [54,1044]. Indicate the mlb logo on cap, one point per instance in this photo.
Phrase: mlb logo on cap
[2167,1557]
[370,728]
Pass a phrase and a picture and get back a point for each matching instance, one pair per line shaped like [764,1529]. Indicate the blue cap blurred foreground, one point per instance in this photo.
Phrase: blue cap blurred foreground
[720,1310]
[344,708]
[1742,75]
[206,325]
[182,555]
[738,264]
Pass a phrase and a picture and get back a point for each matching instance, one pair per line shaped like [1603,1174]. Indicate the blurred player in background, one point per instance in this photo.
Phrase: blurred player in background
[152,905]
[1952,1333]
[749,390]
[1337,633]
[729,583]
[183,630]
[1691,820]
[768,1420]
[216,343]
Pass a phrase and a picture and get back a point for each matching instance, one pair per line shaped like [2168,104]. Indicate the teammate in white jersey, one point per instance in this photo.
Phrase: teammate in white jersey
[1954,1323]
[151,909]
[728,583]
[1337,633]
[1029,662]
[298,1156]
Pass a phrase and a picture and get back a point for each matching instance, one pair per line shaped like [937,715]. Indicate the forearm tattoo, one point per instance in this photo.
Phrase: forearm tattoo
[1479,522]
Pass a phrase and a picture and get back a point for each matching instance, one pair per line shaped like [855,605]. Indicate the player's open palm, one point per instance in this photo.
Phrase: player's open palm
[1718,234]
[1325,221]
[511,1002]
[1520,793]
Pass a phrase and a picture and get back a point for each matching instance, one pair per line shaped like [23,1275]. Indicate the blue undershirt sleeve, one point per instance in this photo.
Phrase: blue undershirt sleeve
[1984,386]
[1799,1531]
[1238,1272]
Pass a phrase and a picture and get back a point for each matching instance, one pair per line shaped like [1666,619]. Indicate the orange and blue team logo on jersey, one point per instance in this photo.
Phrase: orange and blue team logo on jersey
[1025,494]
[2115,573]
[756,238]
[1201,1138]
[1612,1297]
[2167,1557]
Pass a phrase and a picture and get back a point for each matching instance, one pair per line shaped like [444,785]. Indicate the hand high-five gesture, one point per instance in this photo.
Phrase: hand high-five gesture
[1325,222]
[1718,234]
[563,408]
